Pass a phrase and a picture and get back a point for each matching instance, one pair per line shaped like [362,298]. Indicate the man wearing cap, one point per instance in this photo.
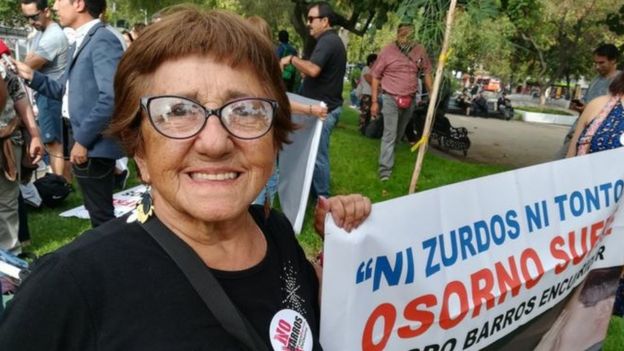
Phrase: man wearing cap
[395,76]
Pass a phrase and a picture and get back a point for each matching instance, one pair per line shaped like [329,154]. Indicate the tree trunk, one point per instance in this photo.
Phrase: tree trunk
[301,28]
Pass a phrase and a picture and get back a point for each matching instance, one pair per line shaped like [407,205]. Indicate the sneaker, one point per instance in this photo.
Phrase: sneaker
[384,178]
[121,179]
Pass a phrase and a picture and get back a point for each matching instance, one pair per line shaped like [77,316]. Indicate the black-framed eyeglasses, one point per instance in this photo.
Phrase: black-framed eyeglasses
[312,18]
[179,117]
[34,17]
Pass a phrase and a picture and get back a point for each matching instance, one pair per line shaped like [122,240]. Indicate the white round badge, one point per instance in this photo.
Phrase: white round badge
[290,331]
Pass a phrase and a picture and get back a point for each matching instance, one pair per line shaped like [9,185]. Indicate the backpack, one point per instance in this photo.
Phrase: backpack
[375,128]
[53,189]
[284,50]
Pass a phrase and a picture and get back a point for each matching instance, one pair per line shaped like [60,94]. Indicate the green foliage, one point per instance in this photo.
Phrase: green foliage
[555,39]
[139,11]
[373,40]
[11,14]
[429,17]
[615,21]
[483,45]
[354,75]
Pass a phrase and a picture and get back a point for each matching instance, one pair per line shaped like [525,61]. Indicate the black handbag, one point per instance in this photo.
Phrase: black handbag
[206,285]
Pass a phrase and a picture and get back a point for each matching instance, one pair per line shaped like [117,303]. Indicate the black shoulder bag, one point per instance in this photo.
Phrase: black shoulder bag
[205,284]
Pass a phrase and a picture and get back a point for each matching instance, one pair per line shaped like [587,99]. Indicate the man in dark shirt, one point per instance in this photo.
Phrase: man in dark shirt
[324,73]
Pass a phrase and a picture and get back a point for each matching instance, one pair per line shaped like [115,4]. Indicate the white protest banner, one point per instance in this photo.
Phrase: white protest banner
[296,164]
[123,201]
[521,260]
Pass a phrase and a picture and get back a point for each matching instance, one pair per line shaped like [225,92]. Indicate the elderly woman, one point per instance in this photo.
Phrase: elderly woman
[601,127]
[201,107]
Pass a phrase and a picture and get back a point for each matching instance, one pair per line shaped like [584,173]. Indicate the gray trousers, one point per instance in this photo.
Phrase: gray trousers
[395,121]
[9,218]
[561,153]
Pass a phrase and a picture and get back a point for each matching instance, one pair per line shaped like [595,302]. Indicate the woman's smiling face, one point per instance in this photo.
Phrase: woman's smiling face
[213,176]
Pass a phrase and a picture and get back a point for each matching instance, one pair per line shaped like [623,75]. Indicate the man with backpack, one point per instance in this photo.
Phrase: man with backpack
[289,74]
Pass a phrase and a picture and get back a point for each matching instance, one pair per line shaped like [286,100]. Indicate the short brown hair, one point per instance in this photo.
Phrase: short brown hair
[187,30]
[261,25]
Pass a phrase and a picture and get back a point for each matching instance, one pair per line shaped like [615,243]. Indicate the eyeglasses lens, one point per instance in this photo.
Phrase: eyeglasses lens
[34,17]
[247,119]
[181,118]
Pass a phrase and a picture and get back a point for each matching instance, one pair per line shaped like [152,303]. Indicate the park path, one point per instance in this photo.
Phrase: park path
[510,143]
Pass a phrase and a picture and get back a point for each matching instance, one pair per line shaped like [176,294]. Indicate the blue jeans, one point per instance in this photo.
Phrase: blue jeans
[49,119]
[354,99]
[270,187]
[320,182]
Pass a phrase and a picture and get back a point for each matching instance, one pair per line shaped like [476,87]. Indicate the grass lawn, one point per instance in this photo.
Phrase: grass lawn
[354,169]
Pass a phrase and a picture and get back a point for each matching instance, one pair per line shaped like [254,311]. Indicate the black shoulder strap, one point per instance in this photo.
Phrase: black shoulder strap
[205,284]
[418,63]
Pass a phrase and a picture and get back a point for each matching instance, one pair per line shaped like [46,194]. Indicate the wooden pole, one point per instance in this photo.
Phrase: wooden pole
[424,143]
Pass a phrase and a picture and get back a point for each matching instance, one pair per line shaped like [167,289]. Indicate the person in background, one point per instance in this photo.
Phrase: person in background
[3,100]
[127,36]
[88,85]
[137,29]
[605,58]
[3,95]
[17,111]
[290,73]
[324,78]
[203,120]
[395,75]
[267,194]
[49,55]
[601,127]
[365,92]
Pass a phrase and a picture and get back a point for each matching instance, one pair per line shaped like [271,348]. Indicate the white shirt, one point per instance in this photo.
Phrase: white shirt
[78,37]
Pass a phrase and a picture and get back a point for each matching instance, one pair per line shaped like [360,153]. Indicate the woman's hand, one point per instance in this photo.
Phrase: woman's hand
[319,111]
[348,211]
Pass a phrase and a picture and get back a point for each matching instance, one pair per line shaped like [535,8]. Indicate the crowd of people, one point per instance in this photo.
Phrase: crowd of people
[195,241]
[154,103]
